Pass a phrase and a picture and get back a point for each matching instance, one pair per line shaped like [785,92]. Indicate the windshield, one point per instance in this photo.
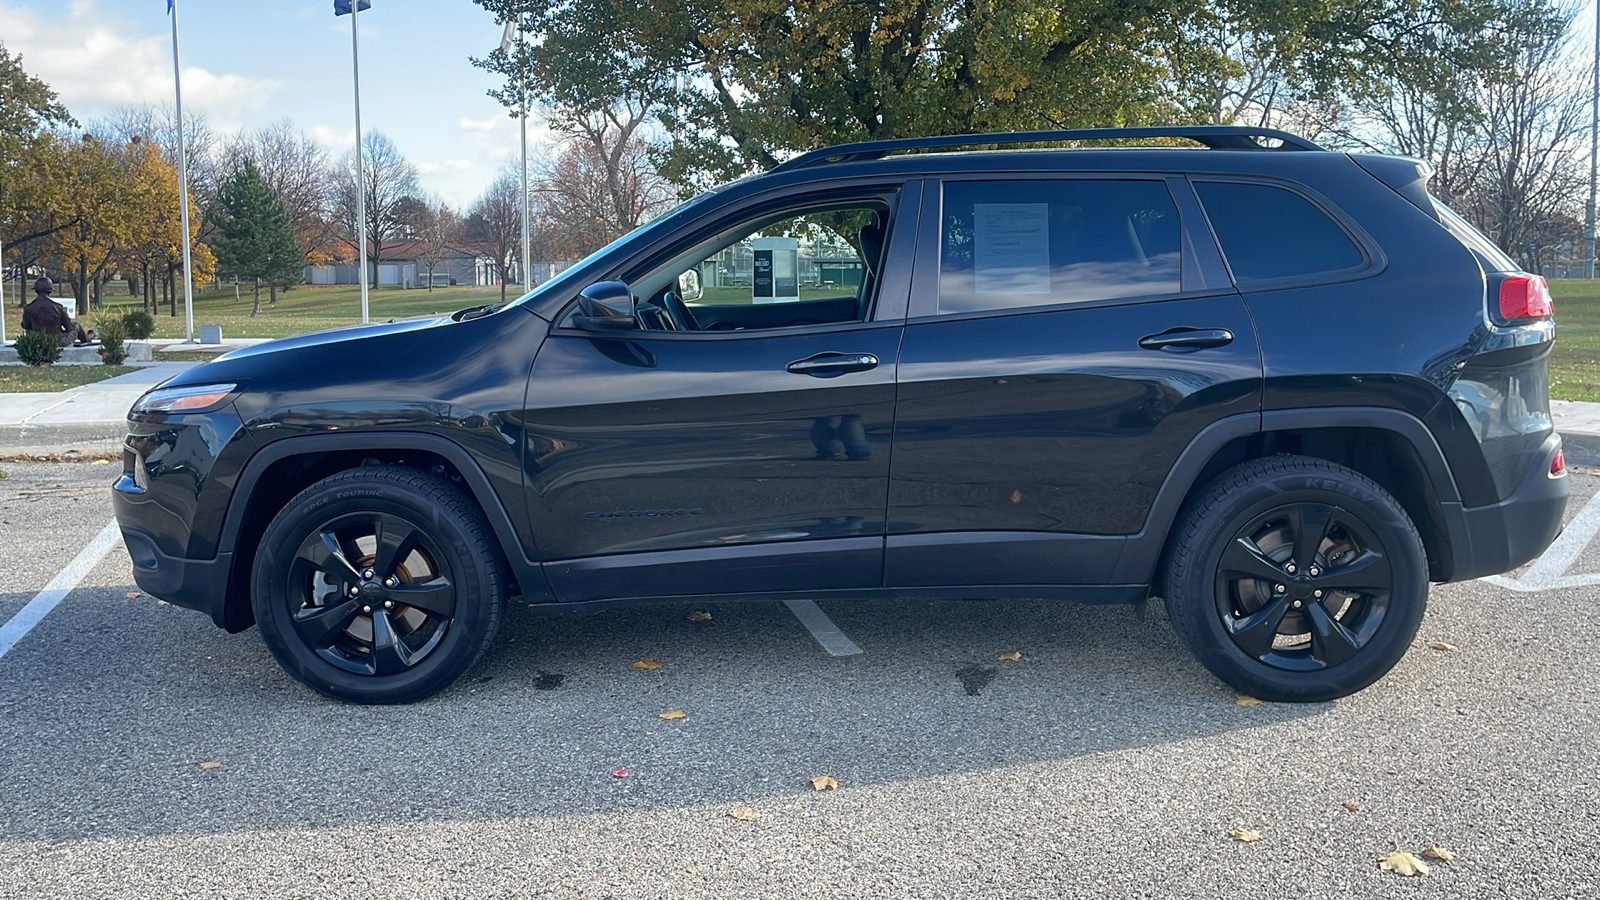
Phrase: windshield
[586,269]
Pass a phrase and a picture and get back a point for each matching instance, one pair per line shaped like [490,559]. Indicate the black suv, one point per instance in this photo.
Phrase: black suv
[1282,388]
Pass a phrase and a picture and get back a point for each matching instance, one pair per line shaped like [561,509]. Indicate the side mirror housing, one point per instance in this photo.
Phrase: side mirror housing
[606,306]
[689,286]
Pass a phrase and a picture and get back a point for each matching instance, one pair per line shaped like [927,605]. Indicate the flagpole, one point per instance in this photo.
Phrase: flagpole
[522,91]
[361,168]
[183,184]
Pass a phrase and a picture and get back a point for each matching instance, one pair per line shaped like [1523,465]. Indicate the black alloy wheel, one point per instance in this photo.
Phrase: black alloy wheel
[379,585]
[1295,579]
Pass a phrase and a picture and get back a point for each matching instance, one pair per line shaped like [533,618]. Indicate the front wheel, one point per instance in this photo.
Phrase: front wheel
[378,585]
[1295,579]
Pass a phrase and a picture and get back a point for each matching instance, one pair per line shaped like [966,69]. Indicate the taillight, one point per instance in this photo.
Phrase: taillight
[1558,463]
[1525,297]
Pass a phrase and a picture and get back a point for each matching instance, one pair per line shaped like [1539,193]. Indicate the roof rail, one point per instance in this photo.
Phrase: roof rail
[1216,137]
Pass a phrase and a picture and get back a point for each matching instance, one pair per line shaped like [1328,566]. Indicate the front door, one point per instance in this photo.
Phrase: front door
[738,442]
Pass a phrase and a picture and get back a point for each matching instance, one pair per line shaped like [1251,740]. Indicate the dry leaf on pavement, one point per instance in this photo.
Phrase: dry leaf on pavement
[1441,645]
[211,764]
[647,663]
[1244,700]
[1403,863]
[823,783]
[744,814]
[1012,655]
[133,595]
[671,714]
[1352,807]
[1435,851]
[699,615]
[1247,835]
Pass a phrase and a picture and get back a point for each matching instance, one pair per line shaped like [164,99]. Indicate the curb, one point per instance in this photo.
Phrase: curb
[55,440]
[1576,441]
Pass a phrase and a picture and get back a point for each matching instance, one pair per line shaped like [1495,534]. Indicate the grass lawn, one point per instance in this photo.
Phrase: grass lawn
[306,308]
[44,379]
[1575,362]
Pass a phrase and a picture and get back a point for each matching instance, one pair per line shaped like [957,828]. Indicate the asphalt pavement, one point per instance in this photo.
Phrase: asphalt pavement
[144,752]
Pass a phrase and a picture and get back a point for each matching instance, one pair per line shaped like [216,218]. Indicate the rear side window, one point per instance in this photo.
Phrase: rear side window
[1492,257]
[1269,233]
[1016,244]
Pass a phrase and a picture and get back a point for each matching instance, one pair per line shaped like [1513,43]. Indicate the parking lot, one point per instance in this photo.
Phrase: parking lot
[144,752]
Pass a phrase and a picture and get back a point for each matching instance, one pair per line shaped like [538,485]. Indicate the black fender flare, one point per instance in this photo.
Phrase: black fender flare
[1142,552]
[528,572]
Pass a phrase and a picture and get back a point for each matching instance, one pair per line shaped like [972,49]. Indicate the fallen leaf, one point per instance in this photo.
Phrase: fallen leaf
[1441,645]
[1012,655]
[99,462]
[647,663]
[1403,863]
[744,814]
[1247,835]
[699,615]
[1245,700]
[133,595]
[619,773]
[211,764]
[1435,851]
[671,714]
[824,783]
[1352,807]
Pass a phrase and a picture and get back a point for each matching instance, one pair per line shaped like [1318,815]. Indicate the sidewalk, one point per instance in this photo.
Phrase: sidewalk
[92,418]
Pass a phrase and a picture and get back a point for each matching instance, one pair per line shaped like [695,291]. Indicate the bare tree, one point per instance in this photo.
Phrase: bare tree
[391,180]
[158,124]
[602,185]
[495,221]
[296,167]
[436,228]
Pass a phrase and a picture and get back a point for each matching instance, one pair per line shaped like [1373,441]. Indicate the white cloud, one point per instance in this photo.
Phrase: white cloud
[441,166]
[95,63]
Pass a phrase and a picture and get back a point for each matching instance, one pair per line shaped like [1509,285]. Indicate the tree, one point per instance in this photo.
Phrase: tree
[32,181]
[435,227]
[391,185]
[495,220]
[601,186]
[255,239]
[296,167]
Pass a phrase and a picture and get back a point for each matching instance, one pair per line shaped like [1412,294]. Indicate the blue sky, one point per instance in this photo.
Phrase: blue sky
[250,64]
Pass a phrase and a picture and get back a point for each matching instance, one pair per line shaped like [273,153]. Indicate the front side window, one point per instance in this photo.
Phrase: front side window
[1016,244]
[820,266]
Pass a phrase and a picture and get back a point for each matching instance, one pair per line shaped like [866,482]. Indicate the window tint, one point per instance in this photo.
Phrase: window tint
[1012,244]
[1268,232]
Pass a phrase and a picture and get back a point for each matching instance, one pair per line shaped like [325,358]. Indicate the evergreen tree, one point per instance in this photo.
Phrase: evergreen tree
[255,239]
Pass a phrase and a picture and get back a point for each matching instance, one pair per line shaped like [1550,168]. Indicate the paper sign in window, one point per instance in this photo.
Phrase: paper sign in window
[1011,248]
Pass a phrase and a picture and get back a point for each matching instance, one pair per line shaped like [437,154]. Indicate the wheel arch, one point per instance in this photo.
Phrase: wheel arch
[282,469]
[1390,446]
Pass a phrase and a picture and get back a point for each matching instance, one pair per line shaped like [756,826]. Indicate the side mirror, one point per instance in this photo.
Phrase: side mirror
[689,286]
[606,306]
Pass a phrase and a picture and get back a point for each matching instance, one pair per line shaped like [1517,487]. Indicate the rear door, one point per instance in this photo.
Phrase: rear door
[1068,338]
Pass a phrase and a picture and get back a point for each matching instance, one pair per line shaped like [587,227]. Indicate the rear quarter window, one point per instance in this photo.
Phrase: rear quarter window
[1271,234]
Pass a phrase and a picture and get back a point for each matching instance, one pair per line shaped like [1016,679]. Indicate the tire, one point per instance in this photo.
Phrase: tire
[378,585]
[1277,616]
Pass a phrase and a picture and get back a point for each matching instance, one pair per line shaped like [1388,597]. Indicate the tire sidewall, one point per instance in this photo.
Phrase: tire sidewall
[1194,590]
[463,639]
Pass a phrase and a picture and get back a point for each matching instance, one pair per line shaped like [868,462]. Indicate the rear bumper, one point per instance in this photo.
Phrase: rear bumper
[1489,540]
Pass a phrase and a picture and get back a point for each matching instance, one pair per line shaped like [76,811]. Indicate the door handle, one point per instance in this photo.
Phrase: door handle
[829,364]
[1183,340]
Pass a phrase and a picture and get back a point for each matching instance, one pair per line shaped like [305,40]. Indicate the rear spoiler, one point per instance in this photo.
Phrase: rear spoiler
[1406,175]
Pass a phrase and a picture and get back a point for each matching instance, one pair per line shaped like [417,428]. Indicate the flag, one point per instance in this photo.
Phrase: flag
[507,40]
[342,7]
[169,7]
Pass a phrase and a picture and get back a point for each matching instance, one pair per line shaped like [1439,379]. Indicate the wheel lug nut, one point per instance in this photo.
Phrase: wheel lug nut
[388,604]
[1297,604]
[391,581]
[1315,571]
[1317,594]
[367,610]
[1289,568]
[367,573]
[1278,588]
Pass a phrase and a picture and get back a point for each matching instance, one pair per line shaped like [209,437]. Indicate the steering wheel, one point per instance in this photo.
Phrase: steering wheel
[682,319]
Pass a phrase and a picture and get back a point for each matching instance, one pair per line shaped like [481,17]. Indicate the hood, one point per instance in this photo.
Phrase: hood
[334,336]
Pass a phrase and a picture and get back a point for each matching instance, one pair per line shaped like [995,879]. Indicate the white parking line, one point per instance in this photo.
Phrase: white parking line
[58,588]
[822,628]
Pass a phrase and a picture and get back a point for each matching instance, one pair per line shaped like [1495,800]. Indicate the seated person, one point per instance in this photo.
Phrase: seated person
[50,317]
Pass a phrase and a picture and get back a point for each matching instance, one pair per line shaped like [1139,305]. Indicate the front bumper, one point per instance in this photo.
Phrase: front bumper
[1489,540]
[198,584]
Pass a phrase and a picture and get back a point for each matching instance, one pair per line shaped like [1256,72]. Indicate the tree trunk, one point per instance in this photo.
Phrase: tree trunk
[255,310]
[172,293]
[81,289]
[272,294]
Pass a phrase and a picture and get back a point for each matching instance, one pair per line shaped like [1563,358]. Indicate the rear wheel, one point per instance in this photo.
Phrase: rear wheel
[378,585]
[1295,579]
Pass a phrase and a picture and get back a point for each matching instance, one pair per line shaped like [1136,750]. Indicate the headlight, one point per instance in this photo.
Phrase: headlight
[190,398]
